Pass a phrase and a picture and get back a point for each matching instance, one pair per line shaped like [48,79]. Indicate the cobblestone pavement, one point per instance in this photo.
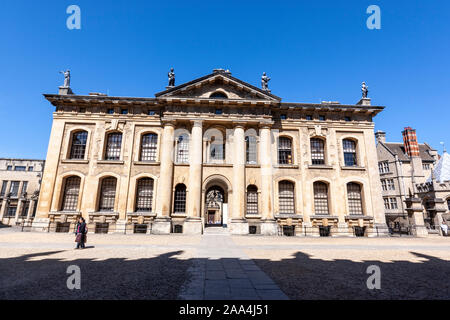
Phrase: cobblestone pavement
[219,266]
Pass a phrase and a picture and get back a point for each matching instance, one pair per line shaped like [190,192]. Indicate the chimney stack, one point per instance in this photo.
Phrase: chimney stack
[410,142]
[380,136]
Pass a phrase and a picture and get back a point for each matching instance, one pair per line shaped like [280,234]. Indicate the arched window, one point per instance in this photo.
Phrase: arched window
[250,149]
[321,198]
[217,149]
[180,199]
[183,148]
[252,199]
[71,193]
[149,144]
[350,158]
[113,146]
[78,147]
[284,150]
[218,95]
[317,151]
[144,195]
[286,197]
[107,194]
[354,198]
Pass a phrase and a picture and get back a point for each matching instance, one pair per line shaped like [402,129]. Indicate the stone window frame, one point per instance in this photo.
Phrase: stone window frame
[247,193]
[292,148]
[256,137]
[152,198]
[105,146]
[71,144]
[68,141]
[328,188]
[187,147]
[325,150]
[294,197]
[59,189]
[179,188]
[358,148]
[63,193]
[99,190]
[131,205]
[361,199]
[207,139]
[138,143]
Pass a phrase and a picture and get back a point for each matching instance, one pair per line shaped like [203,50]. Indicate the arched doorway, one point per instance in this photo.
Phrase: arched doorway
[215,199]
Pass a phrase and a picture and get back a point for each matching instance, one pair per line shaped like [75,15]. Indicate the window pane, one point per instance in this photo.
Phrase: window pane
[317,151]
[4,185]
[349,153]
[78,148]
[108,194]
[144,195]
[183,149]
[321,198]
[148,147]
[113,146]
[11,211]
[180,199]
[24,187]
[286,197]
[14,189]
[71,192]
[252,200]
[20,168]
[284,150]
[354,198]
[250,144]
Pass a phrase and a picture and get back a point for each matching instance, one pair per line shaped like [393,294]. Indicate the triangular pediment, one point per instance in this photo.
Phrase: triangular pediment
[220,85]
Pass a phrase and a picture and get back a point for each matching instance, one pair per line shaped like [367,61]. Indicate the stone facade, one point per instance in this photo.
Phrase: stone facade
[20,184]
[404,175]
[215,150]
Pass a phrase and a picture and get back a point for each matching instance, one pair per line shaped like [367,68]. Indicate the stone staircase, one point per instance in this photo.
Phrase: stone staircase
[216,231]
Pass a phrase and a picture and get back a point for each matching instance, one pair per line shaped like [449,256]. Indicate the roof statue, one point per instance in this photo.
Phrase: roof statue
[171,78]
[365,90]
[66,78]
[265,82]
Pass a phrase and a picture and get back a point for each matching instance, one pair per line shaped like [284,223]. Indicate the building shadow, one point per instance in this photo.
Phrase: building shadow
[39,276]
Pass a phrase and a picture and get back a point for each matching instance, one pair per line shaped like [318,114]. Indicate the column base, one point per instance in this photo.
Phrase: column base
[269,227]
[420,231]
[239,226]
[379,230]
[40,224]
[192,226]
[161,225]
[121,226]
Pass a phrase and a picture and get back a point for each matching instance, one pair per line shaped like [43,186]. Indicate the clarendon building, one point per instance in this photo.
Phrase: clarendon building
[213,151]
[20,184]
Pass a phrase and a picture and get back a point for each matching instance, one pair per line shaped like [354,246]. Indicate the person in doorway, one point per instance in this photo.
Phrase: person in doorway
[81,233]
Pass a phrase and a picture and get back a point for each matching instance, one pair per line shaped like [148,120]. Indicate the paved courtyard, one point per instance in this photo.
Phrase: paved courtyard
[219,266]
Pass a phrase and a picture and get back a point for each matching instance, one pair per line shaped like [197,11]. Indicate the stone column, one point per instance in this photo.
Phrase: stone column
[193,224]
[19,208]
[238,223]
[30,209]
[268,225]
[3,209]
[415,214]
[164,201]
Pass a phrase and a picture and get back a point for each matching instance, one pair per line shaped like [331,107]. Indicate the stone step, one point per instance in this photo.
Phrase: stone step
[216,231]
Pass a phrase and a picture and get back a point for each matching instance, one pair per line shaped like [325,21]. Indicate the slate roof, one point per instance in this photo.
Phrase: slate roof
[442,169]
[399,149]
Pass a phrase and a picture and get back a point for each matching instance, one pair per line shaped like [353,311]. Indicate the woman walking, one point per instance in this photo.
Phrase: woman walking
[81,233]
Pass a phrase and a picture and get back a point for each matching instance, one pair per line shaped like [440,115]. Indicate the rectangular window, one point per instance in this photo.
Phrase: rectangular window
[9,168]
[148,147]
[317,151]
[30,168]
[322,118]
[108,194]
[114,144]
[390,184]
[14,189]
[426,166]
[124,111]
[284,150]
[348,119]
[286,197]
[219,111]
[24,187]
[283,117]
[349,153]
[383,167]
[151,113]
[11,211]
[309,117]
[20,168]
[384,185]
[386,203]
[321,198]
[393,203]
[110,111]
[3,191]
[217,151]
[250,142]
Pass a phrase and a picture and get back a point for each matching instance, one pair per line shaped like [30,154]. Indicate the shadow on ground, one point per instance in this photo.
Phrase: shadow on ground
[36,276]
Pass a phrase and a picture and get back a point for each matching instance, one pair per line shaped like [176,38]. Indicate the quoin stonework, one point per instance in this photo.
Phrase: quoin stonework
[215,151]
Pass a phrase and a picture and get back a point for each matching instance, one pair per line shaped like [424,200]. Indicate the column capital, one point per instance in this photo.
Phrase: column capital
[265,125]
[197,123]
[168,123]
[238,125]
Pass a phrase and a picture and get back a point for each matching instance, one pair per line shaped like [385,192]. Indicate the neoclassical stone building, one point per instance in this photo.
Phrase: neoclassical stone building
[213,151]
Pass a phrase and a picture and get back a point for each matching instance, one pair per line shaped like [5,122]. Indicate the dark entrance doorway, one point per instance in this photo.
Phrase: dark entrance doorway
[215,198]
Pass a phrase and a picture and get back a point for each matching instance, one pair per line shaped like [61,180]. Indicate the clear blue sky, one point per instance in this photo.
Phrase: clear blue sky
[312,50]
